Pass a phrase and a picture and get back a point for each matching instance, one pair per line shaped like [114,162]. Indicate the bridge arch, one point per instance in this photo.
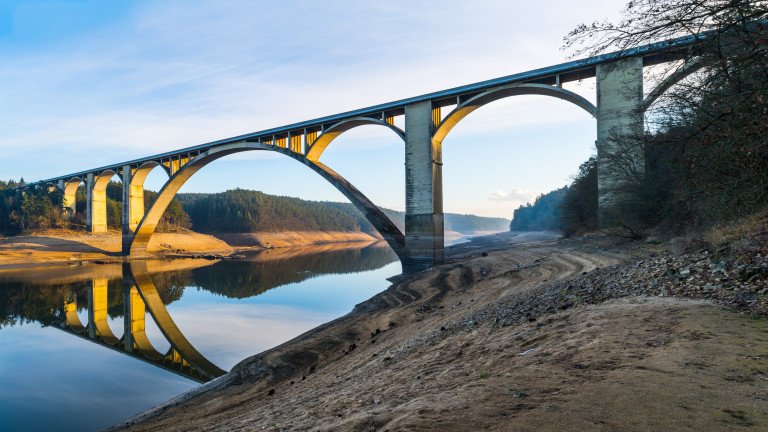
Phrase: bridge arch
[97,199]
[133,193]
[181,350]
[140,175]
[71,319]
[69,188]
[465,108]
[321,143]
[138,240]
[685,70]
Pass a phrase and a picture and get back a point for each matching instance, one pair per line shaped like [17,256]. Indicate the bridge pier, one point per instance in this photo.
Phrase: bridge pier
[133,204]
[69,190]
[96,210]
[424,243]
[619,124]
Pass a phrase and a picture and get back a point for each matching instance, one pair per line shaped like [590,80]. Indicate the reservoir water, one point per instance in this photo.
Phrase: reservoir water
[86,346]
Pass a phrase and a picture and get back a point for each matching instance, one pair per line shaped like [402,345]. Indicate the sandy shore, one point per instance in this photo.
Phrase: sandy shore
[567,336]
[57,247]
[292,238]
[65,247]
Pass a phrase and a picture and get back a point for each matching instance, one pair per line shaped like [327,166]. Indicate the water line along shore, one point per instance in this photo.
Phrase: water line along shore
[510,334]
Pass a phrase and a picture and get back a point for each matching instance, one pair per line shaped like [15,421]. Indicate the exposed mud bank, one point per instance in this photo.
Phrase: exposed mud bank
[538,336]
[65,247]
[292,238]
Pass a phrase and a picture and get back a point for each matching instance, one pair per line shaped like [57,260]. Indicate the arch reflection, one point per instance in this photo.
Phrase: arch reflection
[139,296]
[108,304]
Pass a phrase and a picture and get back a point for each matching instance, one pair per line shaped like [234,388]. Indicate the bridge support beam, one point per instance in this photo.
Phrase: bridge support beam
[619,127]
[424,244]
[133,206]
[96,211]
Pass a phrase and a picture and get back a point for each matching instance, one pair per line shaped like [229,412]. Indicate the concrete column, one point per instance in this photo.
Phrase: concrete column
[424,241]
[89,182]
[133,204]
[619,124]
[97,207]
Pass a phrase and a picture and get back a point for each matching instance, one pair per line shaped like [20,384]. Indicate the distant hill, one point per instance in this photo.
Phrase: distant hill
[242,210]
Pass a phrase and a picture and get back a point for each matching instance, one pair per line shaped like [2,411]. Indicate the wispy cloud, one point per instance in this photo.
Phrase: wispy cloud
[514,194]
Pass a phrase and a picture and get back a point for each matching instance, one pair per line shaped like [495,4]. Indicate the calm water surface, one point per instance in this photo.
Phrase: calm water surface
[58,372]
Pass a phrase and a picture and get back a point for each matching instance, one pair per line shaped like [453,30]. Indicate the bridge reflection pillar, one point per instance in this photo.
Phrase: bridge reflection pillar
[98,312]
[424,242]
[133,314]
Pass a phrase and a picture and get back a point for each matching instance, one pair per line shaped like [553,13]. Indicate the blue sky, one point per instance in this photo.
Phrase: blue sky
[86,83]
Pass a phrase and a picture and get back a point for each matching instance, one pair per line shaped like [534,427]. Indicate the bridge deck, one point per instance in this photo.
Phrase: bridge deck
[564,72]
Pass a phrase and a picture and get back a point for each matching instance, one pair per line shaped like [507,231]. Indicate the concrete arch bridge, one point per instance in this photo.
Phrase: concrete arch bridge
[618,110]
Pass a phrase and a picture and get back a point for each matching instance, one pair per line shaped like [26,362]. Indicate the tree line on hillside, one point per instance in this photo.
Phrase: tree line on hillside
[242,279]
[39,208]
[705,149]
[251,211]
[232,211]
[542,215]
[241,210]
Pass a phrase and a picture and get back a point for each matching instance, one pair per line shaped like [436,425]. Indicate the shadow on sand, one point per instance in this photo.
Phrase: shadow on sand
[53,244]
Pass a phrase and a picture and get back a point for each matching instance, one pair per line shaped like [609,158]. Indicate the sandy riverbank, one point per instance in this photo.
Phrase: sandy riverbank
[292,238]
[62,247]
[570,336]
[56,247]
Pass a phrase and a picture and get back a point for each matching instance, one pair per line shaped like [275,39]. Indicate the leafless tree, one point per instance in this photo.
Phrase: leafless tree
[711,127]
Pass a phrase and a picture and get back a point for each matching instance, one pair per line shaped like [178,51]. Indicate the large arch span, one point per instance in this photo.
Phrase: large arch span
[138,241]
[464,108]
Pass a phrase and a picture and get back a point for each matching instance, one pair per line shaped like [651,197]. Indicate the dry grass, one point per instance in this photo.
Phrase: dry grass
[735,233]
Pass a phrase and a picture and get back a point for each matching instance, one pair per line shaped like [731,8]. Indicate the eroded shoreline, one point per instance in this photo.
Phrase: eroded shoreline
[56,248]
[535,337]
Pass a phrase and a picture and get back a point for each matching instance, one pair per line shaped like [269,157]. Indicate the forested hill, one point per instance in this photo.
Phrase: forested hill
[543,214]
[252,211]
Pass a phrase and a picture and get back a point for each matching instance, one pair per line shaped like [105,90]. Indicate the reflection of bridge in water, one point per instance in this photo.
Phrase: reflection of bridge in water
[139,296]
[54,296]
